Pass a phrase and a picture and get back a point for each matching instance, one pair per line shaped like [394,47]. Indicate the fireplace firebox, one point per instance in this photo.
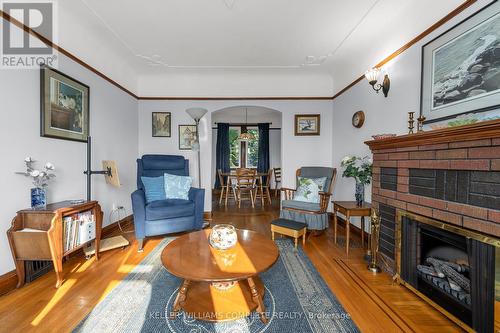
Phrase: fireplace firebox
[455,269]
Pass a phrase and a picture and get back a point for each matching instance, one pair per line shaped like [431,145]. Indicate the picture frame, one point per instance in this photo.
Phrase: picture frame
[459,72]
[307,124]
[187,136]
[64,106]
[161,124]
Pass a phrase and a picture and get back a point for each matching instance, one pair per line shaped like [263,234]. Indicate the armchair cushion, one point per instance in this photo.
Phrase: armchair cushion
[169,208]
[154,188]
[300,205]
[177,187]
[308,189]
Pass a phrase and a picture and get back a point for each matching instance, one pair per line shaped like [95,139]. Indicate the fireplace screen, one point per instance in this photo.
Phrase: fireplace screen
[456,270]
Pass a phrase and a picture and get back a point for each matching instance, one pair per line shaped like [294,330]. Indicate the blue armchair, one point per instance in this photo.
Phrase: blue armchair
[165,216]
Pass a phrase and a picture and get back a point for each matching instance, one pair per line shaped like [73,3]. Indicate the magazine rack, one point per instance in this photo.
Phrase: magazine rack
[39,235]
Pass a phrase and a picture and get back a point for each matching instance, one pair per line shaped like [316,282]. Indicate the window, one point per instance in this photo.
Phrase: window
[234,146]
[252,149]
[243,154]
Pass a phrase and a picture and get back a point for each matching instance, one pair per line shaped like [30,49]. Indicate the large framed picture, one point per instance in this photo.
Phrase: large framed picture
[64,106]
[307,124]
[161,124]
[187,136]
[461,68]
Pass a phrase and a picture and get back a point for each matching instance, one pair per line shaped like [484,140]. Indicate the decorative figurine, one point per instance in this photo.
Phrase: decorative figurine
[411,122]
[420,123]
[375,234]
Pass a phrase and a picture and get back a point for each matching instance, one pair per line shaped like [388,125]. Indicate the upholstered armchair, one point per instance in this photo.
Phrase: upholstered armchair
[312,213]
[170,215]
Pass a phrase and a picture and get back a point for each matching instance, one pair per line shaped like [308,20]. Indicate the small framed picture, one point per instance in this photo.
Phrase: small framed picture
[161,124]
[307,124]
[187,136]
[64,106]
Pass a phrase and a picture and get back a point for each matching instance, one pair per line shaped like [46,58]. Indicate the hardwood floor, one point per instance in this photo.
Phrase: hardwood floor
[374,303]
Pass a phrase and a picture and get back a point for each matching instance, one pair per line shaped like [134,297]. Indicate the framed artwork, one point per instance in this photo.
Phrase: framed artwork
[307,124]
[64,112]
[187,136]
[161,124]
[461,68]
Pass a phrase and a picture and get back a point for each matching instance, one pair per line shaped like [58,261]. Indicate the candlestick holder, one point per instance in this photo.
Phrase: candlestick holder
[411,122]
[420,123]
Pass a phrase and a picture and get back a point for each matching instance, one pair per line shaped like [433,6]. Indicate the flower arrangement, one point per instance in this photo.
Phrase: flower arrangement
[41,178]
[360,168]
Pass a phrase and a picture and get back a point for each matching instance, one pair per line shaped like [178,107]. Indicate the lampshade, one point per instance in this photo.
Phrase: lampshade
[246,136]
[372,75]
[196,113]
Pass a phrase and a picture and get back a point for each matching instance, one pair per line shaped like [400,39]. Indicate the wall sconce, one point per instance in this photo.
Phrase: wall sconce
[372,75]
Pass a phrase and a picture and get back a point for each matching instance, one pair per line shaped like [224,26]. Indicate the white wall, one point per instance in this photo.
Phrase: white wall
[383,115]
[113,128]
[251,83]
[296,151]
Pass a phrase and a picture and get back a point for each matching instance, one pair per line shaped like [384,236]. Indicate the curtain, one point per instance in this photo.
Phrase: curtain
[222,151]
[263,162]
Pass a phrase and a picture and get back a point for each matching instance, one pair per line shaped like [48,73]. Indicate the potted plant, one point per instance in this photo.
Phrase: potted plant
[359,168]
[41,179]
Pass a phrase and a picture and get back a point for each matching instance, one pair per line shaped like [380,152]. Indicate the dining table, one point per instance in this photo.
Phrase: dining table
[258,176]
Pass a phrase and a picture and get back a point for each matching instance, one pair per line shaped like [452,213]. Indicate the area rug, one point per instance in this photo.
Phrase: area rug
[296,299]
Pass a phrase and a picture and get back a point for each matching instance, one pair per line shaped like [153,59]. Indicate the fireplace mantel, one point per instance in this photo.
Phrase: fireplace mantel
[483,130]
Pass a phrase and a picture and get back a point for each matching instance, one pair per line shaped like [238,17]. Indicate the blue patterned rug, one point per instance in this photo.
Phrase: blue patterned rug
[296,299]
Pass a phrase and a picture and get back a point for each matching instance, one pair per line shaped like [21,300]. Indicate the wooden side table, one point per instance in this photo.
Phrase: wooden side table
[39,235]
[349,209]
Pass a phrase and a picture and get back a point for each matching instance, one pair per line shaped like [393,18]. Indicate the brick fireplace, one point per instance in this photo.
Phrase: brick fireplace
[446,183]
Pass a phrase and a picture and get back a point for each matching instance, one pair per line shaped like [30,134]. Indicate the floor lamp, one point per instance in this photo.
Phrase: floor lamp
[197,114]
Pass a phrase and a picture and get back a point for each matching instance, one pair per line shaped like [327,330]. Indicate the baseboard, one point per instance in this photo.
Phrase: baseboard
[8,281]
[207,216]
[353,228]
[124,222]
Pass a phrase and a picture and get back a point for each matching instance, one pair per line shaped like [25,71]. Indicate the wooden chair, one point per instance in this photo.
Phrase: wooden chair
[277,180]
[264,189]
[245,182]
[226,186]
[314,214]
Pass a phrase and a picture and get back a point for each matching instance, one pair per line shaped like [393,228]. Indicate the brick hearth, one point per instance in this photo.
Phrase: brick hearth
[452,175]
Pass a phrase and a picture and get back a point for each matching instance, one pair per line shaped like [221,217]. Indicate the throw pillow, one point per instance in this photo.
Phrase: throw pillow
[154,188]
[177,187]
[308,189]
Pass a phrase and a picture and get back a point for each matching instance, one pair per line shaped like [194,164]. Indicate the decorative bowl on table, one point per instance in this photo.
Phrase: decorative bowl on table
[223,237]
[383,136]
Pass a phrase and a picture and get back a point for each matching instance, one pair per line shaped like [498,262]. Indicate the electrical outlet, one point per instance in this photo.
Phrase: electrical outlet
[116,207]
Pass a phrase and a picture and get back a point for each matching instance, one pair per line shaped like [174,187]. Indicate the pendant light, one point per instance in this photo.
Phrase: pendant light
[246,136]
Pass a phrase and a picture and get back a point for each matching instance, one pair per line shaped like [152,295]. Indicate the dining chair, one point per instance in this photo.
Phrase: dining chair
[226,188]
[277,180]
[264,188]
[245,182]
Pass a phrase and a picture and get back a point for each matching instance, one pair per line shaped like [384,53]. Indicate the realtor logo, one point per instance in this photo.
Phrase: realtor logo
[21,49]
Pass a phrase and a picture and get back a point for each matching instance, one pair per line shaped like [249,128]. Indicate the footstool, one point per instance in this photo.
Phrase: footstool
[290,228]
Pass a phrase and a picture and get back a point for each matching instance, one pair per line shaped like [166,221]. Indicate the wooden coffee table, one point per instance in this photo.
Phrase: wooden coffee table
[203,270]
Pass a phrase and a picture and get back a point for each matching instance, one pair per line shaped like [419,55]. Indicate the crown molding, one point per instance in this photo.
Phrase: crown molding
[393,55]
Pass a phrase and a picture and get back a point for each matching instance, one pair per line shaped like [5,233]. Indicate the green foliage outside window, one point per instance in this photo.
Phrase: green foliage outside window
[253,149]
[234,146]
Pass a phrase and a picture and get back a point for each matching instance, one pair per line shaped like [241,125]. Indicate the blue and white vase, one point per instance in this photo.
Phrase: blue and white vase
[360,193]
[38,198]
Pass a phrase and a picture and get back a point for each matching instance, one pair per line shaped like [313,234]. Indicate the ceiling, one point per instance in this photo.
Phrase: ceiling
[338,38]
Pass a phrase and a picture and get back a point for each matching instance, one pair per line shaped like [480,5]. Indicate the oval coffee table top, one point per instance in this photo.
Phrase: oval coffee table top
[192,258]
